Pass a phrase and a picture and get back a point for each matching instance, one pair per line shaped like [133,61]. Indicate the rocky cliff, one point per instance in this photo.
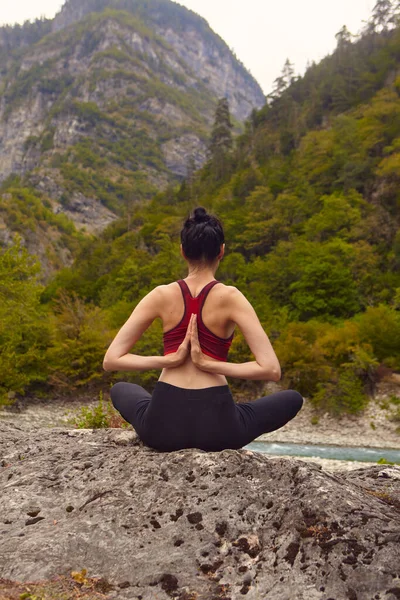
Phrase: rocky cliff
[191,525]
[109,106]
[192,39]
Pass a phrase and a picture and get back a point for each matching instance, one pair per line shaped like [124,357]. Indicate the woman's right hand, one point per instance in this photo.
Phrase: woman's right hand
[177,358]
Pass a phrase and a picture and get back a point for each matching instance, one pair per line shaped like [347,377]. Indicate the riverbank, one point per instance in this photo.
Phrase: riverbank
[57,417]
[58,414]
[372,429]
[330,465]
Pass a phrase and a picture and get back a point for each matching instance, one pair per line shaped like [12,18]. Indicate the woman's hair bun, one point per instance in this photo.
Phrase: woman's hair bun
[200,215]
[201,236]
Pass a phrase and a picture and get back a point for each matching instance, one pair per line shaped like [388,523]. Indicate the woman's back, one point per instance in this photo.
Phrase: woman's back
[213,304]
[191,405]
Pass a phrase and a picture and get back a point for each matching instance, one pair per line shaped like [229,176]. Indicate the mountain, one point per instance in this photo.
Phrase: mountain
[191,38]
[309,198]
[106,104]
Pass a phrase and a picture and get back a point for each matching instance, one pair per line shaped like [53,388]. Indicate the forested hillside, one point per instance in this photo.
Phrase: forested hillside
[102,107]
[309,197]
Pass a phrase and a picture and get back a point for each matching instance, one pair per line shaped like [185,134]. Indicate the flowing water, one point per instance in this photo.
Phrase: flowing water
[370,455]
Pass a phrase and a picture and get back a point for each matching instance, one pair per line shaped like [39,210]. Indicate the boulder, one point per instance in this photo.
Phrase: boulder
[191,524]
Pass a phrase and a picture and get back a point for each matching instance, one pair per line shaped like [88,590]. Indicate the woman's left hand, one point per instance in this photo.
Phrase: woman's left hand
[179,357]
[196,354]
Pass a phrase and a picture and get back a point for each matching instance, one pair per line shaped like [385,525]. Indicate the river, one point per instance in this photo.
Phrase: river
[369,455]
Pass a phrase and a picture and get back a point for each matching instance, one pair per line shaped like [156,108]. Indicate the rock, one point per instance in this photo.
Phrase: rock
[122,437]
[390,474]
[137,92]
[33,512]
[177,151]
[194,44]
[33,521]
[192,524]
[86,213]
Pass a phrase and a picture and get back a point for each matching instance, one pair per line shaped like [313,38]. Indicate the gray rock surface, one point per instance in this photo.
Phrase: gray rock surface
[177,151]
[193,41]
[192,524]
[176,74]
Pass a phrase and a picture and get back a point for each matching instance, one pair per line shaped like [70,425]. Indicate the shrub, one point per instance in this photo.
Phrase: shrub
[101,416]
[383,461]
[24,330]
[80,339]
[380,327]
[395,416]
[344,395]
[328,364]
[302,358]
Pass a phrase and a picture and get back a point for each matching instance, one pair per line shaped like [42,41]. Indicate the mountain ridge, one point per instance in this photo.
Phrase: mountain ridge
[108,90]
[153,12]
[169,17]
[310,205]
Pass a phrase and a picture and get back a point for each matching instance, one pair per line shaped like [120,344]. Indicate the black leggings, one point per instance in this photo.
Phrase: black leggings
[174,418]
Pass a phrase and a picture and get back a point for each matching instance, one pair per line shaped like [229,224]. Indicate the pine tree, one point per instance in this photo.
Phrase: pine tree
[221,141]
[190,176]
[288,73]
[279,88]
[190,169]
[343,38]
[281,83]
[382,15]
[395,18]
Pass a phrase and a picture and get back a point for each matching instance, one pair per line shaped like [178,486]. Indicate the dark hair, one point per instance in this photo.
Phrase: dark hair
[202,236]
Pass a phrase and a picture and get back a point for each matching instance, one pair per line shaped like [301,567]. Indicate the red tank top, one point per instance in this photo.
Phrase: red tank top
[211,344]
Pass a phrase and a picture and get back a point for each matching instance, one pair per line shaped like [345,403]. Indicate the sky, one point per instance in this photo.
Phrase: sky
[262,33]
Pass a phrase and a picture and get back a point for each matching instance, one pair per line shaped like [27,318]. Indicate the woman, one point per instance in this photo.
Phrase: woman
[191,406]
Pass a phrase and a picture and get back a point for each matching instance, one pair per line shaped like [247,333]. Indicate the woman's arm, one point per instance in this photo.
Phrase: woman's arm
[265,367]
[117,357]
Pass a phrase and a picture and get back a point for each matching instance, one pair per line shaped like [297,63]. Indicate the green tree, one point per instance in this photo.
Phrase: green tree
[24,329]
[382,15]
[325,288]
[190,175]
[288,73]
[221,141]
[281,83]
[338,217]
[79,341]
[343,38]
[380,327]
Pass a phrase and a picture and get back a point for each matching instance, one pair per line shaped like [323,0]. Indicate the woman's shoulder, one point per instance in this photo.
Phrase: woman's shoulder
[229,290]
[166,289]
[232,298]
[226,295]
[160,292]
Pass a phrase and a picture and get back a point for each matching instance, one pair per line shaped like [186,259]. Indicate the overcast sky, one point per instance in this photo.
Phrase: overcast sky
[262,33]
